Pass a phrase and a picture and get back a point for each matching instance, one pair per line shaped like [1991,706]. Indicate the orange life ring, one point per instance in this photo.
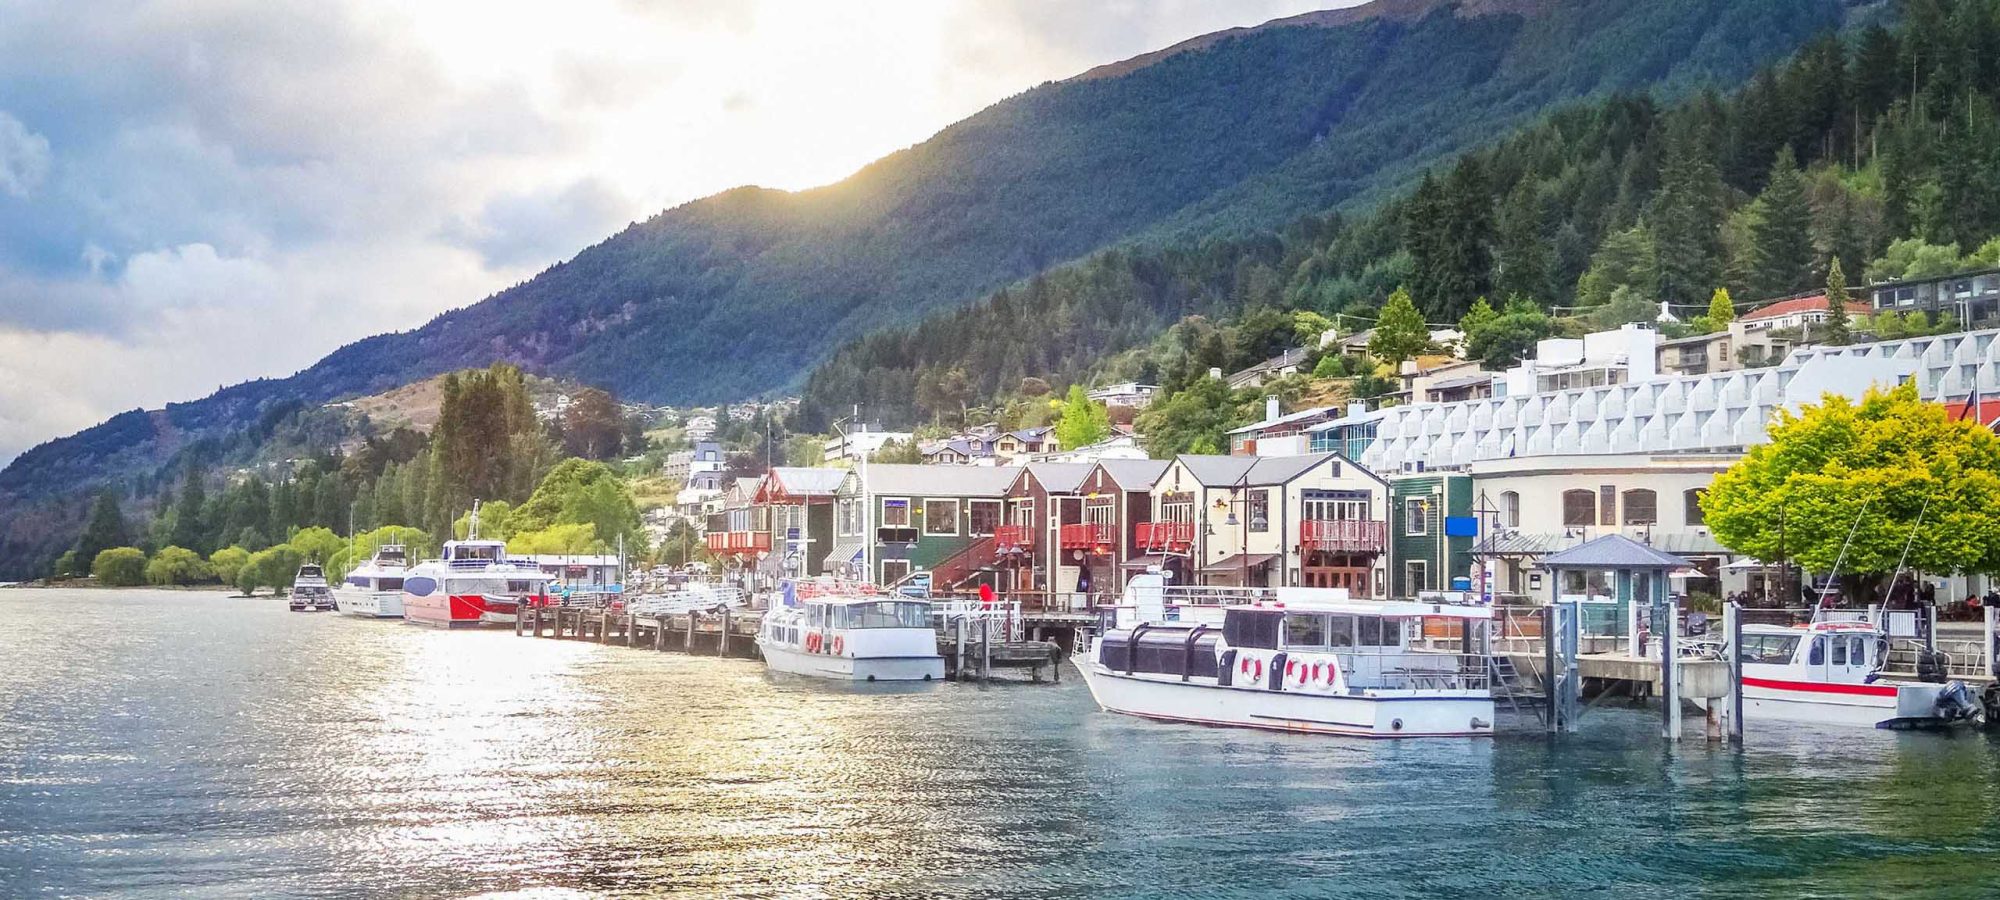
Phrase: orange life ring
[812,642]
[1243,666]
[1257,670]
[838,644]
[1332,672]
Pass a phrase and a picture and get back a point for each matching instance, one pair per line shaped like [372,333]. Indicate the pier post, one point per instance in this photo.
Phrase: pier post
[1670,690]
[660,633]
[1987,639]
[958,647]
[520,612]
[985,649]
[722,638]
[1549,618]
[1732,630]
[631,633]
[693,617]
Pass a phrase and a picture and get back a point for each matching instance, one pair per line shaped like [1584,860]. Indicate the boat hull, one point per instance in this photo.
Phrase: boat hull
[440,610]
[1202,702]
[849,668]
[1859,705]
[369,604]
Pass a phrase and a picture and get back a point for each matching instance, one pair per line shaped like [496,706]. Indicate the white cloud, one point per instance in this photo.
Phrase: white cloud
[196,192]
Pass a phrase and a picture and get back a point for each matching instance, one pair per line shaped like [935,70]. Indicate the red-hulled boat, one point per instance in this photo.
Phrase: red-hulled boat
[474,584]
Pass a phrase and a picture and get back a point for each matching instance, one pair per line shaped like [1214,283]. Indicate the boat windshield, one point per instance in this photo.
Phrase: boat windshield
[882,614]
[1769,648]
[1340,630]
[494,586]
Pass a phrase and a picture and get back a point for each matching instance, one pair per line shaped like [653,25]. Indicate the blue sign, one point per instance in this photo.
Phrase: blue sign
[1461,526]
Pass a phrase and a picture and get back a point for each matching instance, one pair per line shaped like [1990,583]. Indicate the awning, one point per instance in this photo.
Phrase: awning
[845,550]
[1142,563]
[1237,562]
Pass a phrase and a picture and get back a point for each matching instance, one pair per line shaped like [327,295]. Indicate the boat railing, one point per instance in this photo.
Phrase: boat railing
[1415,670]
[1215,595]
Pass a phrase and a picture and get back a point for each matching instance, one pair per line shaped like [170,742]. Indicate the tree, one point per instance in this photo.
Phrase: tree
[65,566]
[272,567]
[898,452]
[1196,419]
[1523,259]
[1625,259]
[1782,233]
[1083,421]
[1721,309]
[1478,317]
[317,544]
[1400,332]
[176,565]
[1511,335]
[1308,326]
[227,562]
[1626,306]
[565,538]
[593,426]
[1837,468]
[105,530]
[1837,332]
[119,566]
[1688,214]
[189,529]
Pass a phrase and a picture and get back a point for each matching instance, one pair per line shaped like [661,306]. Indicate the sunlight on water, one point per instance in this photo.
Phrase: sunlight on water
[177,743]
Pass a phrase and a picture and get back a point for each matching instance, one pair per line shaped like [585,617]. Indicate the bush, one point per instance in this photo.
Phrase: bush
[176,565]
[65,566]
[120,567]
[274,567]
[228,562]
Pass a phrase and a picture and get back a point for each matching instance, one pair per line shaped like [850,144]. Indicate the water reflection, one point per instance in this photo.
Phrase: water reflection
[225,747]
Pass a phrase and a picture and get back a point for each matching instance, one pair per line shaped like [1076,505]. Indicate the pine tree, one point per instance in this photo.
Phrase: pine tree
[1687,219]
[105,529]
[190,531]
[1836,305]
[1782,234]
[1525,262]
[1400,333]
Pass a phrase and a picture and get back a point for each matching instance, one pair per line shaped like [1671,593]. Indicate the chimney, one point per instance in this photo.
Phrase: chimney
[1270,407]
[1215,372]
[1356,408]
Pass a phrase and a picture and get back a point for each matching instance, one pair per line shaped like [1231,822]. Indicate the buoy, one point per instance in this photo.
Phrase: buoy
[838,642]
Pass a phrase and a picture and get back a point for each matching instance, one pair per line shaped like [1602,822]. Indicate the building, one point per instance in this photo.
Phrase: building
[1315,520]
[1595,360]
[908,519]
[864,440]
[574,571]
[1017,445]
[1255,439]
[700,428]
[1430,519]
[1697,354]
[739,531]
[1044,543]
[1971,297]
[1122,444]
[1286,363]
[798,505]
[1798,312]
[1125,393]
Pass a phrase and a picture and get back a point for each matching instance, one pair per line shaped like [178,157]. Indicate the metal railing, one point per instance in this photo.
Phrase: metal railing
[1162,536]
[1344,535]
[1088,535]
[1406,670]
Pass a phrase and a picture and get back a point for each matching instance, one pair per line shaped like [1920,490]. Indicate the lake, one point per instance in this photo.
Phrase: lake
[156,743]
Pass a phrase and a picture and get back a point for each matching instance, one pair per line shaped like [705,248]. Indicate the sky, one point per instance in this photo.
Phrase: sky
[194,193]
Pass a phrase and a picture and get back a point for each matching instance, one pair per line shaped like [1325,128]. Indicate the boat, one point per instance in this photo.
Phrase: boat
[1830,671]
[850,632]
[472,584]
[374,590]
[1308,660]
[309,590]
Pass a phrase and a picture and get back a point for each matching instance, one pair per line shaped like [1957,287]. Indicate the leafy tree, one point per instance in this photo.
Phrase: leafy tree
[119,566]
[272,567]
[1083,421]
[898,452]
[1400,332]
[1869,469]
[1782,233]
[580,537]
[176,565]
[496,522]
[1330,366]
[606,506]
[105,530]
[1309,326]
[1625,306]
[593,426]
[65,566]
[1837,332]
[227,562]
[1511,335]
[1625,259]
[1196,419]
[1478,317]
[317,544]
[1721,309]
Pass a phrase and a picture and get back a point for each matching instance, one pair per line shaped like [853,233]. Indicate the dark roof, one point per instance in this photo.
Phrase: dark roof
[1059,478]
[1134,474]
[1614,551]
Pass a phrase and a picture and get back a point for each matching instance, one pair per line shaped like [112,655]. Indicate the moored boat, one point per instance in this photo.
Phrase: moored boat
[1830,672]
[850,633]
[374,590]
[474,583]
[1304,660]
[309,590]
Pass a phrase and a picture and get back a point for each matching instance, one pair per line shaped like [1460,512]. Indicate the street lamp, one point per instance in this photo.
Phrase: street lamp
[1258,522]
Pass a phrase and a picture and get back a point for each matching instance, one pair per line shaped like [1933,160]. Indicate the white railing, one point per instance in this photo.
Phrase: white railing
[692,598]
[1005,614]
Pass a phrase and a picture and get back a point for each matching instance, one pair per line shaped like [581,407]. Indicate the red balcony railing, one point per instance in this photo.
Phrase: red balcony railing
[1343,535]
[1008,538]
[1163,536]
[728,542]
[1089,536]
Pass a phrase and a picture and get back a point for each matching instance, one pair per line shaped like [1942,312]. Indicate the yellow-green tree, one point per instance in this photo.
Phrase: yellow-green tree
[1083,421]
[1401,332]
[1869,468]
[176,565]
[227,562]
[120,566]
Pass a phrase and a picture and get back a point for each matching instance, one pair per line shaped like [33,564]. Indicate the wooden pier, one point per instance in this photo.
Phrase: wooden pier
[731,633]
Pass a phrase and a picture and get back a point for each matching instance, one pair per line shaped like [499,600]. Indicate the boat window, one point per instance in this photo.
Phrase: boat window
[1857,650]
[389,584]
[887,614]
[1839,652]
[1769,648]
[1342,633]
[1305,630]
[1818,652]
[1380,632]
[520,587]
[1251,628]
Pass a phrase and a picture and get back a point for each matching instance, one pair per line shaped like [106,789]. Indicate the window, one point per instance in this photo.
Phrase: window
[1341,632]
[984,517]
[1641,507]
[1817,656]
[1416,576]
[894,570]
[1608,505]
[1692,500]
[1305,630]
[1839,652]
[1857,650]
[1177,507]
[1579,507]
[1776,649]
[1260,510]
[1098,511]
[1510,509]
[941,517]
[895,513]
[850,516]
[1024,513]
[1416,516]
[1335,506]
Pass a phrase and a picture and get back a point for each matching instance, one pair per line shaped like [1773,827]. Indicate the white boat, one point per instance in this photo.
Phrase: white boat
[1830,672]
[850,633]
[1306,660]
[473,584]
[374,590]
[309,590]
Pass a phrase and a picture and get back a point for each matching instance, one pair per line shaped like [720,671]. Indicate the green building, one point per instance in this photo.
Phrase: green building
[1423,557]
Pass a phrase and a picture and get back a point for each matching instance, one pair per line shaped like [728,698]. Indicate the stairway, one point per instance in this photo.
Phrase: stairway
[1508,688]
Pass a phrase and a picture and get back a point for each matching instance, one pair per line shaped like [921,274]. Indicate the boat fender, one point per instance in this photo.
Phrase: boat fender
[1225,671]
[1277,682]
[838,643]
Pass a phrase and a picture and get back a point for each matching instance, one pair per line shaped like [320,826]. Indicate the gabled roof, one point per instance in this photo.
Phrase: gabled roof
[1259,471]
[799,482]
[1033,434]
[1283,420]
[1796,305]
[904,479]
[1134,474]
[1614,551]
[1059,478]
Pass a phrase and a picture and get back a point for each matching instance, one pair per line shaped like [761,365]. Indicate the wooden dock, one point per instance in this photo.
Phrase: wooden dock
[731,633]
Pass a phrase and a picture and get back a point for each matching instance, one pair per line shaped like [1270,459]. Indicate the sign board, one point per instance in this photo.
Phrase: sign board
[1461,526]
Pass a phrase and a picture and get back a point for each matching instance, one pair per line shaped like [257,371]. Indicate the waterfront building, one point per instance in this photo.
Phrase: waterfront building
[1043,542]
[1259,439]
[1315,520]
[739,532]
[905,519]
[1431,521]
[798,505]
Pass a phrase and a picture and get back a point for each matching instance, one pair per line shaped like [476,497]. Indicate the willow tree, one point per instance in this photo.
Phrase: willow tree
[1893,471]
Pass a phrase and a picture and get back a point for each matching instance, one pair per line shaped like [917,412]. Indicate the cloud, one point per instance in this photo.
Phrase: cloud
[198,192]
[24,157]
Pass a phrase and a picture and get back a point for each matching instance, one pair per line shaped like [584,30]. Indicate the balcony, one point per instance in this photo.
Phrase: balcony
[1089,536]
[733,542]
[1160,537]
[1009,538]
[1343,535]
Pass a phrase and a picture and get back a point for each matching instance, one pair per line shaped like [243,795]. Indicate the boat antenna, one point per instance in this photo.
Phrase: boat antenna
[1912,540]
[472,528]
[1837,560]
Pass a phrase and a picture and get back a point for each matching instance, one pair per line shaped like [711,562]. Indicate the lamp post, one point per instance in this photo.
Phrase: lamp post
[1257,522]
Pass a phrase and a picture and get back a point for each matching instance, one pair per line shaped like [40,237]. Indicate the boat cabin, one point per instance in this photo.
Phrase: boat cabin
[391,556]
[474,553]
[1838,652]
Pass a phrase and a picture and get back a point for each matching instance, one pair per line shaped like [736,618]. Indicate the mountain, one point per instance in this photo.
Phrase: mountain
[743,292]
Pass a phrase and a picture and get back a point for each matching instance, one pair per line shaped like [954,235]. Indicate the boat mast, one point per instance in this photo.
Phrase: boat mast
[472,528]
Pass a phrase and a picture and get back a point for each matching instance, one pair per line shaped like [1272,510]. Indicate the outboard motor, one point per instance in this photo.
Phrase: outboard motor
[1956,704]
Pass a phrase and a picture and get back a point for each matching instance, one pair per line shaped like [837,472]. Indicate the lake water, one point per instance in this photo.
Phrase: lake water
[156,743]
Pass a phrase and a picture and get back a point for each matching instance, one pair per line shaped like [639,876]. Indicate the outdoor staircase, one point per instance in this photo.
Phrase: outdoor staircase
[1510,689]
[977,558]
